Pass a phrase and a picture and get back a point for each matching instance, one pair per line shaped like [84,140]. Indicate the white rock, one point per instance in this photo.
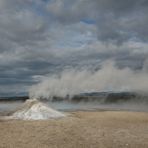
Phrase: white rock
[35,110]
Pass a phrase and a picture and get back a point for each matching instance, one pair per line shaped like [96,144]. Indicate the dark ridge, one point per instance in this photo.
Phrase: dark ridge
[112,97]
[14,98]
[103,97]
[120,97]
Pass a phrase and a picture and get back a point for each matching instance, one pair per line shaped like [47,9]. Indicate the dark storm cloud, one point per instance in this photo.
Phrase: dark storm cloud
[21,29]
[117,21]
[38,37]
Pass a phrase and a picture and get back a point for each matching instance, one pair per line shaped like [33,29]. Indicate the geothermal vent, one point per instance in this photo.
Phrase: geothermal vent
[36,110]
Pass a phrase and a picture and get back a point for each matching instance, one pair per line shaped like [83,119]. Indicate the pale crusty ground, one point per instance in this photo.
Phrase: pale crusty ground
[106,129]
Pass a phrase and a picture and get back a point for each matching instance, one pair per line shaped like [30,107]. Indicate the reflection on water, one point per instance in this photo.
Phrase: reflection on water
[9,106]
[69,106]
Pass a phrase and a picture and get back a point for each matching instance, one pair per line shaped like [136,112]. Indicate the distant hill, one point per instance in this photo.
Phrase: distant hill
[14,98]
[104,97]
[101,97]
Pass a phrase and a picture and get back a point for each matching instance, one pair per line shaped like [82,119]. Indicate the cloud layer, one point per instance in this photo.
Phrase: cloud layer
[44,37]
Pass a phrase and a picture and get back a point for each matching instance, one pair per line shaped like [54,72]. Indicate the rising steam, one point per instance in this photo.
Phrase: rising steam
[108,78]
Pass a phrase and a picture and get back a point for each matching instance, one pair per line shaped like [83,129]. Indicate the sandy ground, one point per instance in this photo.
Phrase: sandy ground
[99,129]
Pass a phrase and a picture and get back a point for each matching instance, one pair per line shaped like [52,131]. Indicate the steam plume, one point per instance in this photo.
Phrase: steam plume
[108,78]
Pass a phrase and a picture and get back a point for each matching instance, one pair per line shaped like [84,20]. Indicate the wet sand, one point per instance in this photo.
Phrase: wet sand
[82,129]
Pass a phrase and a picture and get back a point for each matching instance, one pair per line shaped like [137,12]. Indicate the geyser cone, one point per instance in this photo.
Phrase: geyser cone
[36,110]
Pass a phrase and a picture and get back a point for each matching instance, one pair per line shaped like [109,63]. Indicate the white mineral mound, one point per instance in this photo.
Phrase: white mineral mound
[36,110]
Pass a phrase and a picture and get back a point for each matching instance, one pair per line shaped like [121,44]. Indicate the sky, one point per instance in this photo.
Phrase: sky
[40,38]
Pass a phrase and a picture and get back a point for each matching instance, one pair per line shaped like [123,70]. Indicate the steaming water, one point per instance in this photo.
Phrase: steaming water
[6,107]
[66,106]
